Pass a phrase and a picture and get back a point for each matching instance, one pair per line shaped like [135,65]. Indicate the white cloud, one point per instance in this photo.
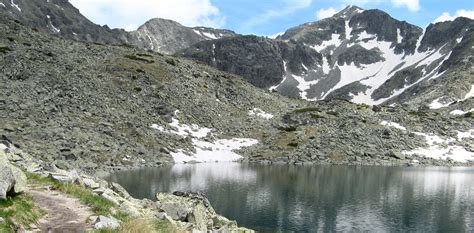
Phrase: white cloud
[412,5]
[287,7]
[446,16]
[361,2]
[326,13]
[127,14]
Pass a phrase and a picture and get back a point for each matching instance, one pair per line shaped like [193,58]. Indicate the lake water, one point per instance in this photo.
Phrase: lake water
[322,198]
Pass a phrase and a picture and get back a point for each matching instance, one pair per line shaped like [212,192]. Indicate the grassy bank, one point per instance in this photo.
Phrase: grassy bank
[20,210]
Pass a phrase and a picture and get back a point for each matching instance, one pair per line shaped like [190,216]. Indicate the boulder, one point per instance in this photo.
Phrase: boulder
[194,208]
[396,154]
[186,208]
[90,183]
[106,222]
[67,176]
[12,179]
[119,190]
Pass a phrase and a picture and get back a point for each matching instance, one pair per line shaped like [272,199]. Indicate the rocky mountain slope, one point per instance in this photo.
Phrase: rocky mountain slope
[90,106]
[167,36]
[364,56]
[61,18]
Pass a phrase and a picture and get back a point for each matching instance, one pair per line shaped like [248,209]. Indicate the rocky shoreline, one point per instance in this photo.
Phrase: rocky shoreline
[186,211]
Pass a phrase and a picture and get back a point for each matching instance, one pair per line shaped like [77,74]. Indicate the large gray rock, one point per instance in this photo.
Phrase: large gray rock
[12,179]
[103,222]
[194,208]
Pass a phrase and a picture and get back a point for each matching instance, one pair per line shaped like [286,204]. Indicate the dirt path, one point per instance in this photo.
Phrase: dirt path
[64,214]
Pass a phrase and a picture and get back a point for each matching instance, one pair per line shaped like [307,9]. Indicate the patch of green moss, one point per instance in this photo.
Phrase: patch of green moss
[333,113]
[144,55]
[303,110]
[138,58]
[171,61]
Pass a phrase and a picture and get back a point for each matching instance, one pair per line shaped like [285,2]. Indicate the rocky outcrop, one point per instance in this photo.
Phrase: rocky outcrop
[103,222]
[169,37]
[261,61]
[193,211]
[339,132]
[12,179]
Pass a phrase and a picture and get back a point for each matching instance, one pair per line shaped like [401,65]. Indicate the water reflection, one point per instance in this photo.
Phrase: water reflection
[322,198]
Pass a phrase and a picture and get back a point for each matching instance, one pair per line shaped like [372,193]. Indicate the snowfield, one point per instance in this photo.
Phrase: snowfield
[438,147]
[220,150]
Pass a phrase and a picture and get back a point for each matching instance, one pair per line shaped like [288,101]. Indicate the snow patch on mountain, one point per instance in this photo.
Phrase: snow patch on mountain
[393,124]
[207,35]
[469,94]
[460,112]
[184,129]
[334,42]
[348,30]
[12,3]
[399,36]
[221,150]
[376,74]
[326,68]
[439,148]
[436,104]
[260,113]
[55,29]
[272,88]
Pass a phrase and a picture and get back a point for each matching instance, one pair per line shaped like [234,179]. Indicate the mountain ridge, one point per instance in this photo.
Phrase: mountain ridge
[365,56]
[364,53]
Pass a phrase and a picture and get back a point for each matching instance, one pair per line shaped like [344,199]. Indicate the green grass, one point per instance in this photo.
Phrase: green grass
[138,58]
[100,205]
[303,110]
[144,55]
[333,113]
[18,210]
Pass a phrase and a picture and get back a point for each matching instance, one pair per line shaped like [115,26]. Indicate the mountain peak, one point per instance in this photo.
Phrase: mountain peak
[349,11]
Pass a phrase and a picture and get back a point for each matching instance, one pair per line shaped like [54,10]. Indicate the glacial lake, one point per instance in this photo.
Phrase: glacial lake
[283,198]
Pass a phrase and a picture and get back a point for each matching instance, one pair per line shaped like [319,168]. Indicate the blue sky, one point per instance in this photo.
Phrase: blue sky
[260,17]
